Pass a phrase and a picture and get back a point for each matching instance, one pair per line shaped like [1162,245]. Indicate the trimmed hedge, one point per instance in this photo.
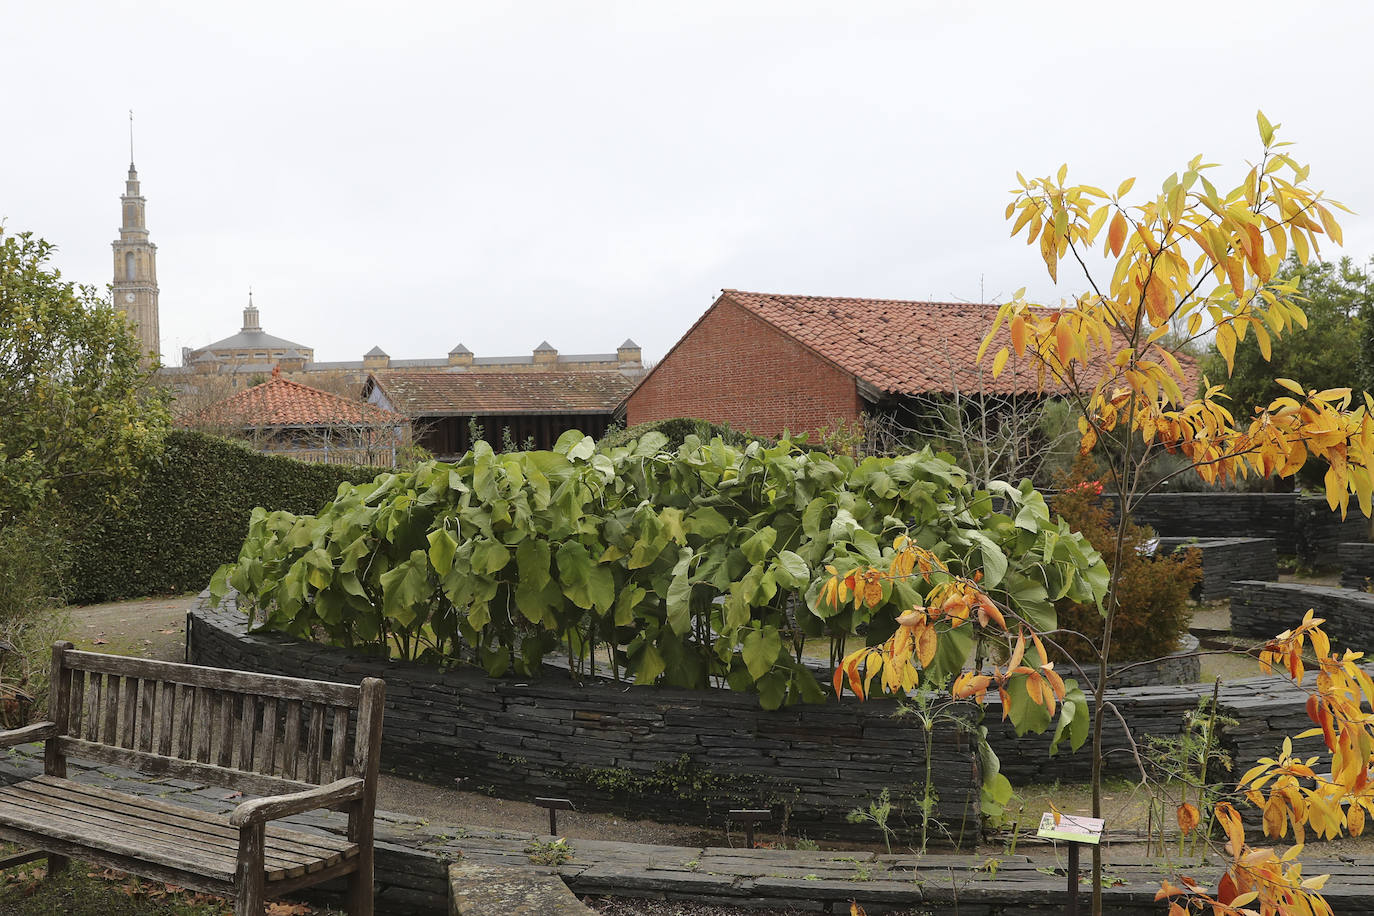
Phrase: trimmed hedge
[188,514]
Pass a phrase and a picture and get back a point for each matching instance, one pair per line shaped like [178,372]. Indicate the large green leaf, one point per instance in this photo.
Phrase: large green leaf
[406,590]
[760,650]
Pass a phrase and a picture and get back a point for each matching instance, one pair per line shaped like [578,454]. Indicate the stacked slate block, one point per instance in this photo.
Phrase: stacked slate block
[668,754]
[1261,610]
[1302,526]
[1225,561]
[1357,565]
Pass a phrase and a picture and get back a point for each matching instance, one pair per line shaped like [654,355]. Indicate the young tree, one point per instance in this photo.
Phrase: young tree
[75,411]
[1205,261]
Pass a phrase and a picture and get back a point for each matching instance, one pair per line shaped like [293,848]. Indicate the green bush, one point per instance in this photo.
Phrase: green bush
[33,566]
[1154,590]
[685,568]
[677,430]
[188,514]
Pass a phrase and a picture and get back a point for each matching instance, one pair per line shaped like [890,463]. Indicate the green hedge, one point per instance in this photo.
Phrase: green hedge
[188,514]
[677,429]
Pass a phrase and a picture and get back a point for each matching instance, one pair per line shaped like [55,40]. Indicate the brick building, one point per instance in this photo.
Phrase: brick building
[766,363]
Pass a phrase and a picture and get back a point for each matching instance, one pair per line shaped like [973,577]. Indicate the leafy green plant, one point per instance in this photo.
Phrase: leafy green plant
[687,568]
[877,814]
[550,852]
[1193,762]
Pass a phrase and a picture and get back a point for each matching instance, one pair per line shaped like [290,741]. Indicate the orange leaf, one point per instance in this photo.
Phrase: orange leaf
[926,644]
[1275,816]
[1187,818]
[1018,334]
[1116,233]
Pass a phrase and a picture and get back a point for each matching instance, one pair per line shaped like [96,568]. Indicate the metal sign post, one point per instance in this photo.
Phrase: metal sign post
[1076,831]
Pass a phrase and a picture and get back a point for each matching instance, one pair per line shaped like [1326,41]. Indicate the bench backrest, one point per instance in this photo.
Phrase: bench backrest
[258,733]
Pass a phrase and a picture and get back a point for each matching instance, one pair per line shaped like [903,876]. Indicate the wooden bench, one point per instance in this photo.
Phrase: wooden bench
[303,744]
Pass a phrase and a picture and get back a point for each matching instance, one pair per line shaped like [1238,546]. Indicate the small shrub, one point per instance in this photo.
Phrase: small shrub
[33,568]
[1154,590]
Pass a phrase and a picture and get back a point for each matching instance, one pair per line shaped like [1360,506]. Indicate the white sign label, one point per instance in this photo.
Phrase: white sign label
[1071,827]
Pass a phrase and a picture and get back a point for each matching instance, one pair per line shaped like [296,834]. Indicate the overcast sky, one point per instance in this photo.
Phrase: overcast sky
[415,175]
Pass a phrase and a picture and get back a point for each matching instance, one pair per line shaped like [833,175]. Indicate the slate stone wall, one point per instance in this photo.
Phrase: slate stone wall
[1357,565]
[680,755]
[691,755]
[1226,561]
[1263,609]
[1300,525]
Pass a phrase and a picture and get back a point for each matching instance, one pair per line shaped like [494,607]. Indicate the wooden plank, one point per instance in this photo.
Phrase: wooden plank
[268,745]
[93,709]
[200,741]
[165,824]
[291,740]
[155,765]
[314,745]
[124,863]
[128,711]
[320,844]
[147,708]
[78,703]
[20,858]
[182,721]
[92,835]
[211,840]
[109,732]
[220,678]
[166,709]
[224,728]
[339,746]
[248,721]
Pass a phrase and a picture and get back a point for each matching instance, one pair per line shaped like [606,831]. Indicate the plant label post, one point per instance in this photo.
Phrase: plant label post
[749,817]
[1076,831]
[554,805]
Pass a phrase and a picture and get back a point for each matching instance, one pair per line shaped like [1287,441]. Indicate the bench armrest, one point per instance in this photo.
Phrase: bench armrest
[38,731]
[269,809]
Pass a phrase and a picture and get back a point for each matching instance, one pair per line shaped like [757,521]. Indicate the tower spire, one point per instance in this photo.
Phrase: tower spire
[131,139]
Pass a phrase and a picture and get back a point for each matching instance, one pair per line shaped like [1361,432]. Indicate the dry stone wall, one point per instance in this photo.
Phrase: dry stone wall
[681,755]
[1226,561]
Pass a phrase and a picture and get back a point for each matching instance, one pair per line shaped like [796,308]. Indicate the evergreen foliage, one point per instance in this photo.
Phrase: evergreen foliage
[187,513]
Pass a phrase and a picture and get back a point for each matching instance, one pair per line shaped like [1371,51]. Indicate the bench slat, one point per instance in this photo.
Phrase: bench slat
[314,747]
[283,857]
[219,678]
[291,740]
[319,844]
[339,747]
[147,708]
[89,833]
[268,748]
[154,765]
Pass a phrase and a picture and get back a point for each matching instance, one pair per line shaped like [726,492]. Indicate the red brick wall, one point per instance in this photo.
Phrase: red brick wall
[736,368]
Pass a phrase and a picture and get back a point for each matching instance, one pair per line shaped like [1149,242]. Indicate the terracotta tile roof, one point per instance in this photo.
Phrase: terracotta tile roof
[897,346]
[281,402]
[420,394]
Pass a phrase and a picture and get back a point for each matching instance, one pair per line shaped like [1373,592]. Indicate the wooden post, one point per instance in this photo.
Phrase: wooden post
[749,817]
[367,744]
[59,710]
[1073,879]
[251,878]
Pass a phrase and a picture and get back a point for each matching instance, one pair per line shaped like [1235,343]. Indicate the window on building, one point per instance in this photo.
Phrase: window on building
[128,265]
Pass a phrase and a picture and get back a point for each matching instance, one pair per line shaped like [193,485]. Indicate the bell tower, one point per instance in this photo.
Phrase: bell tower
[135,265]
